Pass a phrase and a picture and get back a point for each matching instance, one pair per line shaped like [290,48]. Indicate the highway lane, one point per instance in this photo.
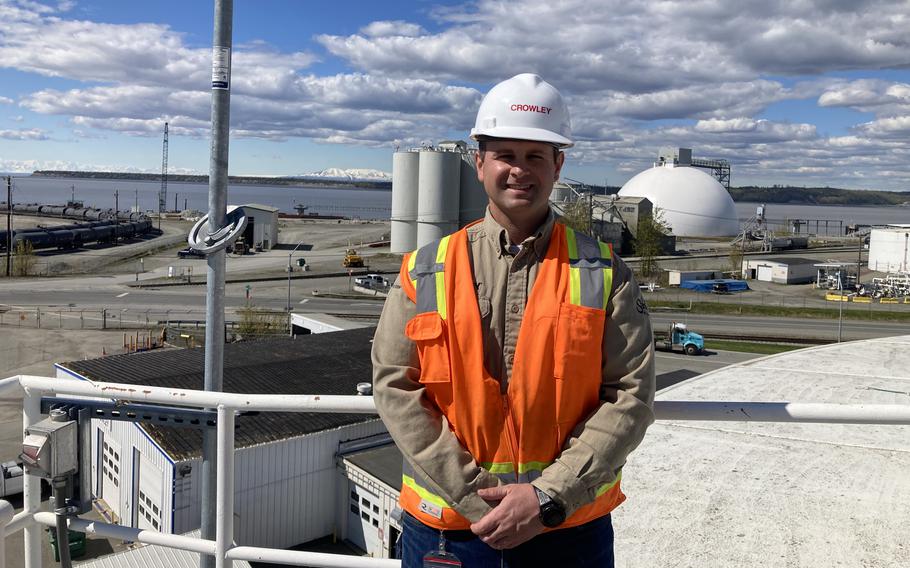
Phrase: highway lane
[273,295]
[771,326]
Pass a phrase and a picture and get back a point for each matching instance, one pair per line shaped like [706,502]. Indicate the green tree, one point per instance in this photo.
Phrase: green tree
[256,322]
[647,242]
[736,259]
[24,261]
[577,215]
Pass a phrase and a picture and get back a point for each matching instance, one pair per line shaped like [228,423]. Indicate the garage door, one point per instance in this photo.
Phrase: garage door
[110,474]
[764,273]
[149,495]
[364,519]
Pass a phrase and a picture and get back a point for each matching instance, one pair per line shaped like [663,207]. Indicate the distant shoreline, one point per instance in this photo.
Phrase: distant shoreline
[779,195]
[240,180]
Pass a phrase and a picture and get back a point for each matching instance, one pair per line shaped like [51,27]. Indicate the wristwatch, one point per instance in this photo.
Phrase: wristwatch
[552,513]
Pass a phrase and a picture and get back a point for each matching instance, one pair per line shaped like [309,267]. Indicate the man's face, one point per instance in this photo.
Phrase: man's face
[518,176]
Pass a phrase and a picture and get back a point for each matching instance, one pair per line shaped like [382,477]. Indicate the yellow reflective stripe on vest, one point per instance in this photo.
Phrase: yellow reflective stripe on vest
[608,486]
[408,481]
[426,268]
[412,260]
[606,251]
[590,270]
[574,274]
[440,277]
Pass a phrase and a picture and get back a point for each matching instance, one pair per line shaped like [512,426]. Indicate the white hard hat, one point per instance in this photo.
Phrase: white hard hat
[524,107]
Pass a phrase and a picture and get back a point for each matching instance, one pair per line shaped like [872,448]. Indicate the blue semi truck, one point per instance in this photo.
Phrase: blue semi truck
[678,335]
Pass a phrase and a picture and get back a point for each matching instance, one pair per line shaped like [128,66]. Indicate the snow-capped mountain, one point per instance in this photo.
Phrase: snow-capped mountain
[363,174]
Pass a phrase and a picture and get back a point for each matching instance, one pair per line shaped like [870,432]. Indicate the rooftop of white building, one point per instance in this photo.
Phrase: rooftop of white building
[776,494]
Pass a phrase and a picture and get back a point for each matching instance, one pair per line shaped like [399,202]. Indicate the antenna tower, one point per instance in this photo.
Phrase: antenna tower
[162,195]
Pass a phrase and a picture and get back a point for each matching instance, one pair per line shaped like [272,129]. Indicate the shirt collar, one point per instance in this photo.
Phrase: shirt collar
[498,238]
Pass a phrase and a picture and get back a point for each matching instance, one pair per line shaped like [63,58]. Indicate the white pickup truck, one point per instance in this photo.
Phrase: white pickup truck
[372,281]
[11,482]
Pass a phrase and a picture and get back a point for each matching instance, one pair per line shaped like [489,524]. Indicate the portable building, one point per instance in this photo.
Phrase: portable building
[783,270]
[262,225]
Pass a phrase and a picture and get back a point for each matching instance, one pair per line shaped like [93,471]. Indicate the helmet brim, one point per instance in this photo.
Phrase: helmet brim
[523,133]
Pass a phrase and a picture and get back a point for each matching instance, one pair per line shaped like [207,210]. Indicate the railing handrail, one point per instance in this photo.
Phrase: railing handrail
[228,403]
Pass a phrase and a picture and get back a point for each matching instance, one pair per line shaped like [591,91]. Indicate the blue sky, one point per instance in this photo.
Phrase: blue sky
[798,92]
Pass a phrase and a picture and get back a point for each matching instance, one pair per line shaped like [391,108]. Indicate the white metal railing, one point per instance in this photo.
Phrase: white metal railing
[227,403]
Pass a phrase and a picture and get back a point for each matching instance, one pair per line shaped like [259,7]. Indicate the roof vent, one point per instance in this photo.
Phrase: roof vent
[364,389]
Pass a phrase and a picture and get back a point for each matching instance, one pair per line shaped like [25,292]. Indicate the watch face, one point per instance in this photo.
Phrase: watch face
[552,515]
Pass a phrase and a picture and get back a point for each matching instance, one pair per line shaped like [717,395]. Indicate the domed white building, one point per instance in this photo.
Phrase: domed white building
[692,202]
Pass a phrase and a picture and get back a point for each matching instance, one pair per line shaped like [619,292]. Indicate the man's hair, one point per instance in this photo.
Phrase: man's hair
[482,146]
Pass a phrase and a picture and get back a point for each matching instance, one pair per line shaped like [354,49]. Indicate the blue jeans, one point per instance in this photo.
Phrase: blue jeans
[586,546]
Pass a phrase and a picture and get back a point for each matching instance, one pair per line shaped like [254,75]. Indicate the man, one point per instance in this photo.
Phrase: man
[513,364]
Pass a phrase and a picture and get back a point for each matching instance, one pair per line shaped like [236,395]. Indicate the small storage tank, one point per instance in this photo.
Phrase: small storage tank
[889,249]
[438,195]
[473,199]
[405,167]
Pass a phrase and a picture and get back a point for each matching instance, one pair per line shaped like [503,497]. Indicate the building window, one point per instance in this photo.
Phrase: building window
[354,509]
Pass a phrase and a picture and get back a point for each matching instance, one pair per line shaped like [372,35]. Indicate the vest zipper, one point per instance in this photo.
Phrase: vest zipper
[511,434]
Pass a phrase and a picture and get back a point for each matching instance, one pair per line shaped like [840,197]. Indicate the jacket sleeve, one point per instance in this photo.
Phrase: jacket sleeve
[597,448]
[419,429]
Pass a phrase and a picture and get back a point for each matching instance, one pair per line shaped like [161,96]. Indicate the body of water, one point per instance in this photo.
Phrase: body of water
[100,193]
[362,203]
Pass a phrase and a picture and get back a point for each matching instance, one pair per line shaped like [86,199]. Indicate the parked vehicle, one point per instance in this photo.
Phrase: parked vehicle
[352,259]
[678,335]
[11,483]
[190,253]
[373,281]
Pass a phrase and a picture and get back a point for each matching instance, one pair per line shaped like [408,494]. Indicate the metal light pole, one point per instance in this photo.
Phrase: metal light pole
[9,223]
[289,274]
[214,308]
[840,306]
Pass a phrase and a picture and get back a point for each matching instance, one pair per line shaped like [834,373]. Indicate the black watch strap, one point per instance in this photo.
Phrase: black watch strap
[552,514]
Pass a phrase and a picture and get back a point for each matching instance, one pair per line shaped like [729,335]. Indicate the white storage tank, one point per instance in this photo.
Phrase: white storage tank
[692,202]
[889,249]
[437,195]
[473,199]
[405,168]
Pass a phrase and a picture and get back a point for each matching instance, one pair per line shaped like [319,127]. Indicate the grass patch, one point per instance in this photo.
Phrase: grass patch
[725,308]
[750,346]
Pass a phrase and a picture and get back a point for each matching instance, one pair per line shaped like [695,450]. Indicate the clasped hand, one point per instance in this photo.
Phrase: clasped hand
[515,517]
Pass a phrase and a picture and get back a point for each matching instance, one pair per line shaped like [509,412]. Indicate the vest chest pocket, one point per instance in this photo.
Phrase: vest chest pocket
[427,330]
[577,357]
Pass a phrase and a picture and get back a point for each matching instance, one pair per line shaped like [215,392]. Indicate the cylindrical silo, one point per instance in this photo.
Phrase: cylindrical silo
[437,196]
[404,201]
[473,199]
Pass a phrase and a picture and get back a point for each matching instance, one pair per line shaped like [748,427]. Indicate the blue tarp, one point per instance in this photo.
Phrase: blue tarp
[708,285]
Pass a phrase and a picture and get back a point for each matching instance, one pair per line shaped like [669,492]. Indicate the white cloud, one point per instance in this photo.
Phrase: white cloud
[388,28]
[24,134]
[6,101]
[892,127]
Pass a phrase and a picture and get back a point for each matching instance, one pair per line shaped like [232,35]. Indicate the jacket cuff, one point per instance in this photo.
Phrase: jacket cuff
[561,484]
[471,506]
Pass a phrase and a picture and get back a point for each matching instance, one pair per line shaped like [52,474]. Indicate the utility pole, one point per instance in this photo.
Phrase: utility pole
[162,194]
[73,193]
[9,223]
[136,202]
[117,204]
[176,195]
[214,305]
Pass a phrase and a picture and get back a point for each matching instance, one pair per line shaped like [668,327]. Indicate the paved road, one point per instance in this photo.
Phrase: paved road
[792,327]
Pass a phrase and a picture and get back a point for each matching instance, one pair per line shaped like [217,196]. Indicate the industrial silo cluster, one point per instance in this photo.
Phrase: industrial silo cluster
[434,192]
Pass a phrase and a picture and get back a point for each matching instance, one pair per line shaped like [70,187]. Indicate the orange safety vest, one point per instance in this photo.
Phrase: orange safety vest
[556,375]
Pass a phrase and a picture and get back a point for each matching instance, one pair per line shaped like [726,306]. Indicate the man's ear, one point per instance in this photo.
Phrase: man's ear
[478,163]
[560,160]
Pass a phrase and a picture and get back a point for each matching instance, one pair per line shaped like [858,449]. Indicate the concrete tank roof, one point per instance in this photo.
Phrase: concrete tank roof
[692,202]
[774,494]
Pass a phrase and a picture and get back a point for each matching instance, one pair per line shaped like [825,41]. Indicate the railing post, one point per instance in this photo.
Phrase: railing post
[31,485]
[224,511]
[6,515]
